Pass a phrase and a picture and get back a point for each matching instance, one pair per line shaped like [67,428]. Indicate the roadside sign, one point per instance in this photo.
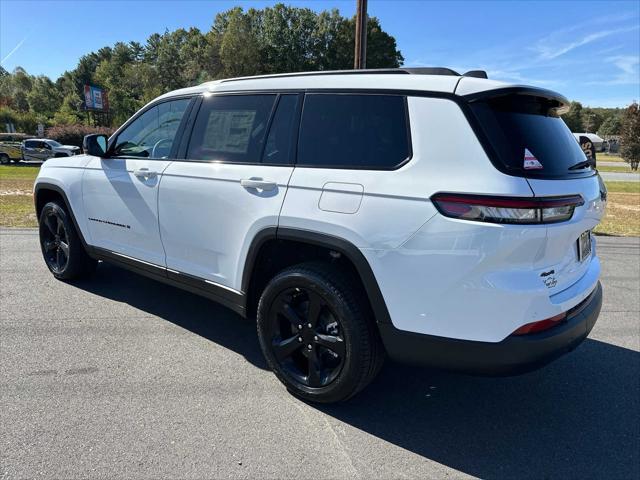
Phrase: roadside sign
[95,98]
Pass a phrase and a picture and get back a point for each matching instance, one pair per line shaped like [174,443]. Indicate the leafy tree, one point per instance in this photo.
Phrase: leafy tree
[630,141]
[240,42]
[591,120]
[573,118]
[611,126]
[44,98]
[240,49]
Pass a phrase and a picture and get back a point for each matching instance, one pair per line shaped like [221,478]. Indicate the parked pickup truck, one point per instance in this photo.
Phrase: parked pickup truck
[43,149]
[11,147]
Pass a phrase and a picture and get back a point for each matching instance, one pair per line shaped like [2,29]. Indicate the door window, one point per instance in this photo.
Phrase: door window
[152,134]
[231,128]
[353,131]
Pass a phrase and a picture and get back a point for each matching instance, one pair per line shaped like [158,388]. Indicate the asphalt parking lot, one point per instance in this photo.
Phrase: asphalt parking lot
[123,377]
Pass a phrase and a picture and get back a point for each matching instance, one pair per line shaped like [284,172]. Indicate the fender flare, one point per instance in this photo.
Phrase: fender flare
[55,188]
[346,248]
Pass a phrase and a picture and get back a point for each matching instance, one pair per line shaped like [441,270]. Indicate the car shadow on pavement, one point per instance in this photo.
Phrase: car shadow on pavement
[576,418]
[184,309]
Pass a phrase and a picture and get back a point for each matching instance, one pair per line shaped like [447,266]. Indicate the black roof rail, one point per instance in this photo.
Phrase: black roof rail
[369,71]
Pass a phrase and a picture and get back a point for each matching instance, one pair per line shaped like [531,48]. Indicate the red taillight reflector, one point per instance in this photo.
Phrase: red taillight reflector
[518,210]
[540,326]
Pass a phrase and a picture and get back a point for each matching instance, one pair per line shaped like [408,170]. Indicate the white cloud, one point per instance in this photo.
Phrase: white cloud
[627,74]
[550,47]
[15,49]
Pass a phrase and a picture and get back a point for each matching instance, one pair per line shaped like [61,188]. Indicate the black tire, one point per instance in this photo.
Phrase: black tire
[61,246]
[4,159]
[338,347]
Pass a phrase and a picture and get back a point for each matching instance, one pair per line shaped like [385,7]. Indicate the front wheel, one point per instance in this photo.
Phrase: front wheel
[316,334]
[60,243]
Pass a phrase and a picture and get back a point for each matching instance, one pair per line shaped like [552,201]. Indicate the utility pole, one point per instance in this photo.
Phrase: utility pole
[360,57]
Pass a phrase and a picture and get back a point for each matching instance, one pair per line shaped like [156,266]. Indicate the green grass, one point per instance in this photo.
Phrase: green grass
[605,157]
[623,187]
[17,211]
[621,169]
[19,172]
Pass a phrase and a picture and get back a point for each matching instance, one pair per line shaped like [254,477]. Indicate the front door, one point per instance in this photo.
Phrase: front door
[35,150]
[120,193]
[230,186]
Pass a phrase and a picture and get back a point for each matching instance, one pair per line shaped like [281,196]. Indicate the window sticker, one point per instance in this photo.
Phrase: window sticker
[530,161]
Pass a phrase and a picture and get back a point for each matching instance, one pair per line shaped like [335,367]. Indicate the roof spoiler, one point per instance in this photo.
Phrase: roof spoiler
[476,74]
[559,103]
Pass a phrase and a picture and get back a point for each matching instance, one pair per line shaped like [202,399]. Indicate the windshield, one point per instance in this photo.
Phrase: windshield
[53,143]
[529,138]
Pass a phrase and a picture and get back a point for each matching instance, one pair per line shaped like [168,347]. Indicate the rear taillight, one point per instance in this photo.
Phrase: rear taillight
[518,210]
[540,325]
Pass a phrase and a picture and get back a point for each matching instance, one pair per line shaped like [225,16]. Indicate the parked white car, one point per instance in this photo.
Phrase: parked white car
[435,218]
[43,149]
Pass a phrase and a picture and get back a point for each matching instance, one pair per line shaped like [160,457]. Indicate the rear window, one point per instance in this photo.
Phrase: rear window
[529,138]
[353,131]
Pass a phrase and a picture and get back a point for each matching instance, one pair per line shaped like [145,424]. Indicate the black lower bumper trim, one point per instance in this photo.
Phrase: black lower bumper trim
[513,355]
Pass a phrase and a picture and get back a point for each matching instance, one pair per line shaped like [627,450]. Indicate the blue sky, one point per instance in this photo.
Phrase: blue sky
[588,50]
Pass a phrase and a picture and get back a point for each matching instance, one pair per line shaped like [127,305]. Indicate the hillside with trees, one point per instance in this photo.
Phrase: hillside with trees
[270,40]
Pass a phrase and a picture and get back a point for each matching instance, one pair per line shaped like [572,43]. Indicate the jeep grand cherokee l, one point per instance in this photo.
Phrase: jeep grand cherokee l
[436,218]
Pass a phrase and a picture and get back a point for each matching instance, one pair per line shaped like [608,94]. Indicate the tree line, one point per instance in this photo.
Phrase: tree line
[257,41]
[603,121]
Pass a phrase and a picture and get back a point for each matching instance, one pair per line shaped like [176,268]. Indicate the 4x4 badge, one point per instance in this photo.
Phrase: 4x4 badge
[549,279]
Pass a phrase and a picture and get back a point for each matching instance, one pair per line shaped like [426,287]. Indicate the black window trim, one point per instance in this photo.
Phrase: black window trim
[297,122]
[461,101]
[179,132]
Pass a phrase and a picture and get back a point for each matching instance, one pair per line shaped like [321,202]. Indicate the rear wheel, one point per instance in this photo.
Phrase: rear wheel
[4,159]
[61,247]
[315,334]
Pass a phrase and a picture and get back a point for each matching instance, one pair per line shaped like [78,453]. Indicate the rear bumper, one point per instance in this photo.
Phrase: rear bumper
[513,355]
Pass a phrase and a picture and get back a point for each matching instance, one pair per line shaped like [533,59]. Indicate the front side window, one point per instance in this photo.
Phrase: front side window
[151,135]
[231,128]
[353,131]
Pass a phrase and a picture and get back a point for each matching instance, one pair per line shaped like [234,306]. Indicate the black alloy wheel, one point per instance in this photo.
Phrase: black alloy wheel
[55,241]
[317,332]
[61,245]
[306,337]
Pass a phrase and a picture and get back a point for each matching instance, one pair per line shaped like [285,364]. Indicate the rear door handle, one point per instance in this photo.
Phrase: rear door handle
[144,173]
[258,183]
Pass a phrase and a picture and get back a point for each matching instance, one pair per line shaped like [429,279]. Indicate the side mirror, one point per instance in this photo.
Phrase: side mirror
[95,145]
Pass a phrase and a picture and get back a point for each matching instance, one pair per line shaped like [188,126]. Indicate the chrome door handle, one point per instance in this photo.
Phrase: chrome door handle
[258,183]
[144,173]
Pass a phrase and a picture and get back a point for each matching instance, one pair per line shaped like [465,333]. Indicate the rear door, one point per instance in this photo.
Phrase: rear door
[230,186]
[120,192]
[529,139]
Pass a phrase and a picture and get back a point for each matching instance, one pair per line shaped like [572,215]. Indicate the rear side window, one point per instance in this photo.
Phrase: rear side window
[528,137]
[353,131]
[231,128]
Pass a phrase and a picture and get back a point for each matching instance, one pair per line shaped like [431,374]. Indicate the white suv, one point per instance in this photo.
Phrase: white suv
[432,217]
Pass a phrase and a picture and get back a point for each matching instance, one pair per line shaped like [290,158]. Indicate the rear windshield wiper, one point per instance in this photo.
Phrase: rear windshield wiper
[583,164]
